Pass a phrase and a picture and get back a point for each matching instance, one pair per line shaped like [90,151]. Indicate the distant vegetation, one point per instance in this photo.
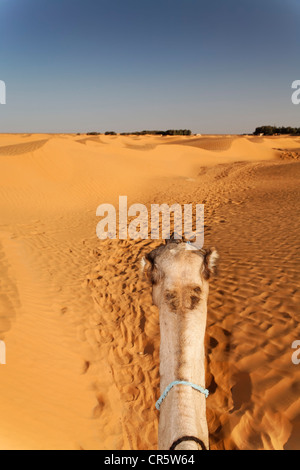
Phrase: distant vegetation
[168,132]
[273,130]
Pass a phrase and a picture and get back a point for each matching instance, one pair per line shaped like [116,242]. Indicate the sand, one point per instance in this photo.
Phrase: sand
[76,315]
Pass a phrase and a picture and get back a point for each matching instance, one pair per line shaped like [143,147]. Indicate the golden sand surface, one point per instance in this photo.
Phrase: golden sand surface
[81,333]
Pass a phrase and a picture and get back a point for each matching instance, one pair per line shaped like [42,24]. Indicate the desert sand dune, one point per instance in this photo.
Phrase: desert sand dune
[141,147]
[90,139]
[76,314]
[20,149]
[208,143]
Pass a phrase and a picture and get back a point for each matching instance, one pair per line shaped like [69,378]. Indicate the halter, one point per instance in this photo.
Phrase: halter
[188,438]
[180,382]
[200,389]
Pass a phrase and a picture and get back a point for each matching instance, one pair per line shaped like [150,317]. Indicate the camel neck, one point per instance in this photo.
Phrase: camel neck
[182,347]
[183,412]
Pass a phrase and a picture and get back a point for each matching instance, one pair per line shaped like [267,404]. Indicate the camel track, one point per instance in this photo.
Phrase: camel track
[76,315]
[256,291]
[126,328]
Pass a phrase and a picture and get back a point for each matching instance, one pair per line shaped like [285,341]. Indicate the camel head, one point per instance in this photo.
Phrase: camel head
[179,274]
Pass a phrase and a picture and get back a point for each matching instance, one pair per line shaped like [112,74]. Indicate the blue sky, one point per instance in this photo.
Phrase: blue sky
[210,66]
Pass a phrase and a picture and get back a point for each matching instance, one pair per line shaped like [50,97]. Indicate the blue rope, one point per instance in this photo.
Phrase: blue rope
[180,382]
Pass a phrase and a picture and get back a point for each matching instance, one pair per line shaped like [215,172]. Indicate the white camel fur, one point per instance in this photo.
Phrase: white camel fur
[179,274]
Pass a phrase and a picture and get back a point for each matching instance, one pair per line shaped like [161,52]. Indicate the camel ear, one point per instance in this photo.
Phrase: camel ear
[210,262]
[149,267]
[145,268]
[143,265]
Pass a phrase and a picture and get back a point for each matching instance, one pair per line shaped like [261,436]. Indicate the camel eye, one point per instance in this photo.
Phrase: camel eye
[194,302]
[197,290]
[172,300]
[195,297]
